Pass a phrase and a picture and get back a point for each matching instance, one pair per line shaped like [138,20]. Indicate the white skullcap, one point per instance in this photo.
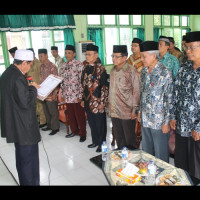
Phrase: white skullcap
[22,54]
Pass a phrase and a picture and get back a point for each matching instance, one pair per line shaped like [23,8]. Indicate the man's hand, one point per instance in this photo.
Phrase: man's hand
[34,84]
[139,117]
[173,124]
[195,135]
[165,128]
[82,104]
[133,116]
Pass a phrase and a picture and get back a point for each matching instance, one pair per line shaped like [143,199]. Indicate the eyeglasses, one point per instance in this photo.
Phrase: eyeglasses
[89,54]
[116,56]
[192,48]
[134,45]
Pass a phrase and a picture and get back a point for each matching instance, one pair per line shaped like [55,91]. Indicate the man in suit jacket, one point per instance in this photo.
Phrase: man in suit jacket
[18,116]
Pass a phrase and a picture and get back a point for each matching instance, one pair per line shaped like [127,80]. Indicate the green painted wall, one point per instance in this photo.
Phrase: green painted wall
[195,22]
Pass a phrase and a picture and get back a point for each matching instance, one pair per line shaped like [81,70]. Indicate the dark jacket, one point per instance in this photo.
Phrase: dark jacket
[18,112]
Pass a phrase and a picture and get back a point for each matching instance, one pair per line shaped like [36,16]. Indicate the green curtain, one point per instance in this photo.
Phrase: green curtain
[140,33]
[95,34]
[156,34]
[68,38]
[36,22]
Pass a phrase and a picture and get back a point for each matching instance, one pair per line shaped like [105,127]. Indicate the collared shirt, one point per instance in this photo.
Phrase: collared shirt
[185,107]
[47,69]
[156,96]
[58,62]
[95,87]
[171,62]
[136,62]
[124,94]
[71,85]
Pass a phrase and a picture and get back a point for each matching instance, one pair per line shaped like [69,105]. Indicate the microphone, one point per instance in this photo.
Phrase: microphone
[30,79]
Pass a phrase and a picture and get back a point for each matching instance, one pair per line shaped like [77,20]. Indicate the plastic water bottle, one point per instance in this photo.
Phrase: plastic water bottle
[150,179]
[104,150]
[124,156]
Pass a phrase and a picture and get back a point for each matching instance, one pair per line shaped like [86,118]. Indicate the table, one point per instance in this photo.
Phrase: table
[110,166]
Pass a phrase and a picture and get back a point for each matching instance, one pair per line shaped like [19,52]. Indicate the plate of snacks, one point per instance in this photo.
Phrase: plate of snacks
[142,168]
[117,155]
[169,180]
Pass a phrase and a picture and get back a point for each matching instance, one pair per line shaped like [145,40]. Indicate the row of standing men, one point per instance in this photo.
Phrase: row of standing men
[134,96]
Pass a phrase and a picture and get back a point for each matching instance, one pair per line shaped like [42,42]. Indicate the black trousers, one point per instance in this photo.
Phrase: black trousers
[27,164]
[124,131]
[51,114]
[98,126]
[187,155]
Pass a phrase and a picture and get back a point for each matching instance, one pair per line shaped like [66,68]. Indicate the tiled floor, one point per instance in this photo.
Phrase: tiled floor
[68,159]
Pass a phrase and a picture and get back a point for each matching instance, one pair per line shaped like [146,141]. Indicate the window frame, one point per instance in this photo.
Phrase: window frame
[172,26]
[117,25]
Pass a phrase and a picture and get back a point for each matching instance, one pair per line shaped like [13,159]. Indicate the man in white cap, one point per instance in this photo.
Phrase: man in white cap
[18,117]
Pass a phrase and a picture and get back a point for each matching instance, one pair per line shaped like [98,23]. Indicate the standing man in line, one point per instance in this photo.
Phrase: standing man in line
[124,98]
[172,49]
[167,59]
[18,117]
[50,104]
[185,110]
[95,96]
[156,97]
[135,61]
[71,89]
[135,58]
[58,60]
[35,73]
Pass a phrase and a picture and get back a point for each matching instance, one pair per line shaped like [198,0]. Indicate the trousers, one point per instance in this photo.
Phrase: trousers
[27,164]
[124,131]
[186,155]
[98,126]
[155,143]
[52,114]
[77,119]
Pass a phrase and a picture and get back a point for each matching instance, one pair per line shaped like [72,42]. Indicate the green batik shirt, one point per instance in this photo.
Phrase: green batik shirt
[171,62]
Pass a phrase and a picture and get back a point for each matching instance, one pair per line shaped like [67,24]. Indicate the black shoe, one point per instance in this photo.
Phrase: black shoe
[98,149]
[82,138]
[42,125]
[70,135]
[46,129]
[54,132]
[92,145]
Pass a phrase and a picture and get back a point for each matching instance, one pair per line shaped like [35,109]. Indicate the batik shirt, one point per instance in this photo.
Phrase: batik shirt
[95,87]
[156,96]
[171,62]
[71,85]
[185,107]
[47,69]
[124,93]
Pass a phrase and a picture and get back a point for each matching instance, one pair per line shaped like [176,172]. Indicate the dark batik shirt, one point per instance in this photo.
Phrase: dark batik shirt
[95,87]
[185,108]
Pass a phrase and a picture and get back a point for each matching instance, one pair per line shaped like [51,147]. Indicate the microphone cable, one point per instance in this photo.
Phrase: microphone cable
[47,160]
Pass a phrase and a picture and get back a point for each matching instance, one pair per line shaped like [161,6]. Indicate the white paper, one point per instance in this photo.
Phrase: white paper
[130,169]
[48,85]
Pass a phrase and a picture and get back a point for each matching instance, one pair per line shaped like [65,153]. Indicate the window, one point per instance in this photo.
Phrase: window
[36,40]
[116,30]
[19,39]
[173,26]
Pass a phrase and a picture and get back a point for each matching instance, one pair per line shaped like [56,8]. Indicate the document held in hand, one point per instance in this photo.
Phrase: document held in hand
[47,86]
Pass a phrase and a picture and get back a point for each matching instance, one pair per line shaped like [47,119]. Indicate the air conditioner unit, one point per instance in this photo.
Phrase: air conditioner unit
[81,49]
